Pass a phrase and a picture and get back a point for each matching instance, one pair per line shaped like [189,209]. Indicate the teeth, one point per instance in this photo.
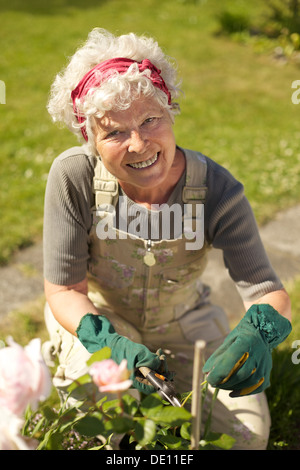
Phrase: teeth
[146,163]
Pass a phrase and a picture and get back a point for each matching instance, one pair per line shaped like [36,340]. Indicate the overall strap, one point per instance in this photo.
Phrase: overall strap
[105,186]
[195,189]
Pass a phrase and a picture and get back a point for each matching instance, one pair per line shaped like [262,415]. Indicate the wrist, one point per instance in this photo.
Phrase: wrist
[95,332]
[273,327]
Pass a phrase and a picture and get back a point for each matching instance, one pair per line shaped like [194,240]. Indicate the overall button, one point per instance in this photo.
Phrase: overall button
[149,259]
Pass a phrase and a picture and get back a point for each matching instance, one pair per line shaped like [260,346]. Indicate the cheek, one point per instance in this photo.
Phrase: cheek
[166,135]
[111,158]
[168,144]
[108,153]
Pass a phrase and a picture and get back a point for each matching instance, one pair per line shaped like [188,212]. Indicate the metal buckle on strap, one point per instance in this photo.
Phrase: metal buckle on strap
[106,191]
[105,186]
[193,195]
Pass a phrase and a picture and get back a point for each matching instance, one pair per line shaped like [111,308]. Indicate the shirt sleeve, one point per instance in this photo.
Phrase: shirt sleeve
[67,218]
[231,227]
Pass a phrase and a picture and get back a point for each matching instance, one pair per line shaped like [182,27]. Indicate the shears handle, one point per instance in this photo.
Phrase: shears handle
[154,378]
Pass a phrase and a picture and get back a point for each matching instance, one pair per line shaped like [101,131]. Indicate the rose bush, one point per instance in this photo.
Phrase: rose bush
[25,380]
[24,377]
[148,423]
[10,432]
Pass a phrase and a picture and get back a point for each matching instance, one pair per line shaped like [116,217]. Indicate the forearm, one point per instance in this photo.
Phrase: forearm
[69,303]
[279,300]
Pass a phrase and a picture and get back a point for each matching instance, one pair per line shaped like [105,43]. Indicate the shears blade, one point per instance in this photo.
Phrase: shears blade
[162,385]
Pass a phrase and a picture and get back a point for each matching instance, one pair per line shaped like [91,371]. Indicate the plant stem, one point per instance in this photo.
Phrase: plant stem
[189,395]
[121,402]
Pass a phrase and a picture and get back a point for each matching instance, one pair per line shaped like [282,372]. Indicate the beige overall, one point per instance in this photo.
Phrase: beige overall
[152,293]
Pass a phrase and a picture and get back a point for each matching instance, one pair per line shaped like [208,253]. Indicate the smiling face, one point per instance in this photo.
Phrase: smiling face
[137,145]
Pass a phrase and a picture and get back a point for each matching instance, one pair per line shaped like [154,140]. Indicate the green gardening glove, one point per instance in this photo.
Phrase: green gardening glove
[243,362]
[95,332]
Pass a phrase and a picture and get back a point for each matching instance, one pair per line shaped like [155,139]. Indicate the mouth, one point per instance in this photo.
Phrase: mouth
[144,164]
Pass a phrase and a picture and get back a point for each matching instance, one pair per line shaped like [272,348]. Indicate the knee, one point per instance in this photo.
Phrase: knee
[245,419]
[249,435]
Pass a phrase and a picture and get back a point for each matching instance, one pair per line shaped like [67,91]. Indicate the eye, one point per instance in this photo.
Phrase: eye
[150,119]
[112,134]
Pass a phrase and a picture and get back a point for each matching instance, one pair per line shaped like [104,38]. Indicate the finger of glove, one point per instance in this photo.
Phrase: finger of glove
[241,372]
[249,372]
[137,355]
[213,360]
[257,365]
[245,380]
[148,359]
[257,387]
[257,382]
[160,354]
[163,367]
[228,364]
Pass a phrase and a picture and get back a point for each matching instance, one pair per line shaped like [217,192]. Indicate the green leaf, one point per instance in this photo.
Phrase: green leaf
[97,447]
[70,413]
[44,443]
[151,405]
[89,426]
[98,356]
[112,405]
[67,420]
[37,428]
[84,379]
[55,441]
[130,404]
[223,441]
[122,424]
[100,402]
[172,415]
[171,442]
[145,431]
[185,430]
[49,413]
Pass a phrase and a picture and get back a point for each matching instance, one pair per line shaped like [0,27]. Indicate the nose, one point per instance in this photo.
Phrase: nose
[137,142]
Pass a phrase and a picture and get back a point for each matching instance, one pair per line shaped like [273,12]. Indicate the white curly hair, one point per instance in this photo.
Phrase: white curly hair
[119,90]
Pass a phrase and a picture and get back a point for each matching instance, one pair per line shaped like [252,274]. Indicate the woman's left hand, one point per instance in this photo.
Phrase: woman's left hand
[243,362]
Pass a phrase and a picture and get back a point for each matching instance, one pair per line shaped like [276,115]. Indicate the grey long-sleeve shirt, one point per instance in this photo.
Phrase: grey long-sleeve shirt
[229,225]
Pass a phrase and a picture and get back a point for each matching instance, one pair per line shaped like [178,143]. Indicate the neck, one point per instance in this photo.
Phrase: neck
[147,197]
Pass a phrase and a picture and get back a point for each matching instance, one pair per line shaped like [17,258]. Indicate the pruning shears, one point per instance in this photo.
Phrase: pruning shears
[162,385]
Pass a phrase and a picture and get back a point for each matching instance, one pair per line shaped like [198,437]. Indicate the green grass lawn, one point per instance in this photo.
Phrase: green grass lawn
[237,109]
[283,395]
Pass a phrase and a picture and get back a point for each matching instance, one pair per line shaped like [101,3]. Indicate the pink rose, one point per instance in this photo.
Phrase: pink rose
[109,376]
[24,377]
[10,433]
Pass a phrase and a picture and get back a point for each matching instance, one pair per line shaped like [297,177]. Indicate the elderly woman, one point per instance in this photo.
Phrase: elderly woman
[129,219]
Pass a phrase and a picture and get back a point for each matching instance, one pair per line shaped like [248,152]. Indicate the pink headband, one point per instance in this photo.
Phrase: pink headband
[101,72]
